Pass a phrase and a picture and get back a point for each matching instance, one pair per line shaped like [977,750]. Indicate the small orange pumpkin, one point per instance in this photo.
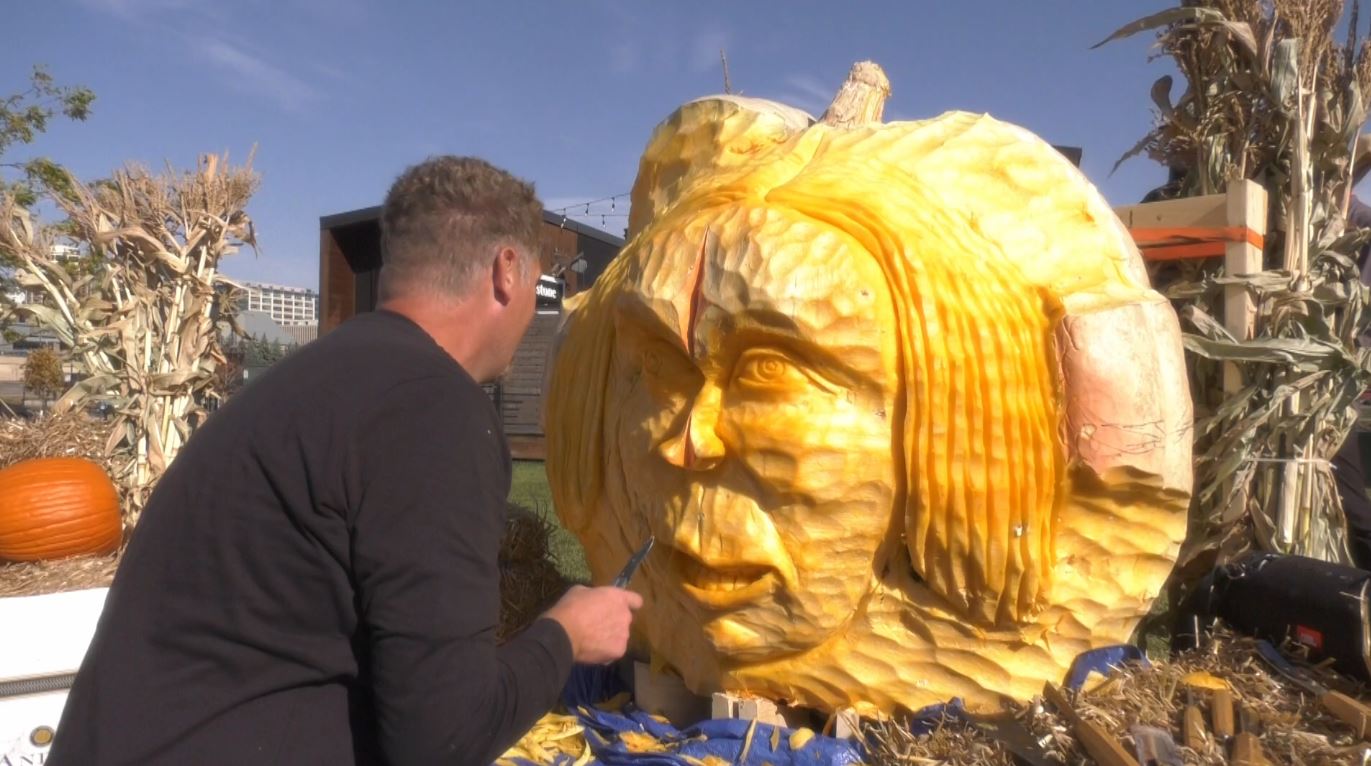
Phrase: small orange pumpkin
[57,507]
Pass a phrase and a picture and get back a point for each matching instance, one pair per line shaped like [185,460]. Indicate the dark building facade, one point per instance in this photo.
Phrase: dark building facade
[574,255]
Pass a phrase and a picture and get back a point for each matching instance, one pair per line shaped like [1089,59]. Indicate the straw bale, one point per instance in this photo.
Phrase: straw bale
[70,434]
[529,580]
[39,578]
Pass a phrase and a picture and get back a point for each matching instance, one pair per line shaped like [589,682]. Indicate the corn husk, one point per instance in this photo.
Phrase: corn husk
[140,311]
[1268,95]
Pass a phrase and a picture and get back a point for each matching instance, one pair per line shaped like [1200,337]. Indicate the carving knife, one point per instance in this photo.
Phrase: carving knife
[633,563]
[1341,706]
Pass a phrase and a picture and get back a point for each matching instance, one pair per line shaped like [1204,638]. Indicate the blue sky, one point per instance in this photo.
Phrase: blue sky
[340,95]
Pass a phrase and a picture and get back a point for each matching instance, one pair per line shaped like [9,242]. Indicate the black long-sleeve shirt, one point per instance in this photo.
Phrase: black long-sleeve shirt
[314,579]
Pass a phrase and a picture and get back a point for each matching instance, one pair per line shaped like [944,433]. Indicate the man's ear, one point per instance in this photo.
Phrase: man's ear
[504,274]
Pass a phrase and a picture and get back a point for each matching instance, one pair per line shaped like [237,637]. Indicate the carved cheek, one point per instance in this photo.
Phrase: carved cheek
[826,472]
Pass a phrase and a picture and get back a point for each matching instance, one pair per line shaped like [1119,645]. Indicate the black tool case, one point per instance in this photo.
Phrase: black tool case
[1319,605]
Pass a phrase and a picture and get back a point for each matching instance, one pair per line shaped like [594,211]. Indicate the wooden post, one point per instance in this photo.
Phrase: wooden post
[1245,207]
[1241,209]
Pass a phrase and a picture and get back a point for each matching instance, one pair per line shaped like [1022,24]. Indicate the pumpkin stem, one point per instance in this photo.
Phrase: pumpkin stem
[861,99]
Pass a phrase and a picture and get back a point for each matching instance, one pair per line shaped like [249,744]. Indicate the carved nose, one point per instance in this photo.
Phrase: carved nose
[697,446]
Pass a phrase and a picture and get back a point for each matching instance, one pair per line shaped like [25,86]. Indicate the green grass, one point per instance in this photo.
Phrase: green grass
[530,490]
[1154,632]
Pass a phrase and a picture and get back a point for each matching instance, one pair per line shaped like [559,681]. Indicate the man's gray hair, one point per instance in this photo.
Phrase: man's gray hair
[443,220]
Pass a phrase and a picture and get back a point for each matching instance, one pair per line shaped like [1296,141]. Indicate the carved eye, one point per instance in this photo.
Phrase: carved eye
[764,369]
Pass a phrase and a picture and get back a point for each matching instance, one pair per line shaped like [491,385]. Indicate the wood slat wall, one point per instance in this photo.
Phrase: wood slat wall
[520,392]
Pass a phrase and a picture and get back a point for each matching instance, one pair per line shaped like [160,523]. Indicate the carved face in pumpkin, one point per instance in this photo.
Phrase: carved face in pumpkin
[896,401]
[755,386]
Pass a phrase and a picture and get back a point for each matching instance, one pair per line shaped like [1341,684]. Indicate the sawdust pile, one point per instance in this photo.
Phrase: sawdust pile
[1288,721]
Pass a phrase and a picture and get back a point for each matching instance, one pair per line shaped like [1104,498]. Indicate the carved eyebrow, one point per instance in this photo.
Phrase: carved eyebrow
[767,328]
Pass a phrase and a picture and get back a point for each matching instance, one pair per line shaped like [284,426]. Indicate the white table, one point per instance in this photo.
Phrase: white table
[41,636]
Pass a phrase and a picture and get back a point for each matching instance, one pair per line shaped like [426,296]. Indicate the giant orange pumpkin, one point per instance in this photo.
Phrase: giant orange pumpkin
[897,402]
[52,508]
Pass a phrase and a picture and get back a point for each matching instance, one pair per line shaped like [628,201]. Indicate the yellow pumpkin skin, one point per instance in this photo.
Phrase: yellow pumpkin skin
[58,507]
[897,402]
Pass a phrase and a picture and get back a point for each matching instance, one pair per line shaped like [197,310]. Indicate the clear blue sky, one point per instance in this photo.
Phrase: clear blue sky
[340,95]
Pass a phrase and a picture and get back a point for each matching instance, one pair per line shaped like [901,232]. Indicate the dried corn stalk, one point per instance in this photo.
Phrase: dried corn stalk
[141,319]
[1270,96]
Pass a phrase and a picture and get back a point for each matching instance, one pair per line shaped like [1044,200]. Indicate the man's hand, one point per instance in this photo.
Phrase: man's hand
[597,620]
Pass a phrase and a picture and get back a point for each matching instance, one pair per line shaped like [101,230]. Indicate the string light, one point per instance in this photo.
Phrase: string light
[590,209]
[611,199]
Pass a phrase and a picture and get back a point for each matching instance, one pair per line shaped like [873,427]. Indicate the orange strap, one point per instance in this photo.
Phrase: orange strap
[1175,243]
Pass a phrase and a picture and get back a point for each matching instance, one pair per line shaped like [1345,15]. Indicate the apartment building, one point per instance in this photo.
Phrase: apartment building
[287,306]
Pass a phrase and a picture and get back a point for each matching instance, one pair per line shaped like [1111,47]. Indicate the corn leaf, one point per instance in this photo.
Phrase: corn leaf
[1161,19]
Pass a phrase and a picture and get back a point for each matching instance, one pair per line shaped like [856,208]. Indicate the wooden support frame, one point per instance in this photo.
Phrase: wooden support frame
[1231,226]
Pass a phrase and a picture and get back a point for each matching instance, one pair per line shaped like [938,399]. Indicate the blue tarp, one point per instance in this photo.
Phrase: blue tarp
[725,739]
[1102,660]
[729,739]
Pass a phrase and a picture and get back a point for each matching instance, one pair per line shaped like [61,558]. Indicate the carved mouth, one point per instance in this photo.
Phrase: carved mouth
[721,587]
